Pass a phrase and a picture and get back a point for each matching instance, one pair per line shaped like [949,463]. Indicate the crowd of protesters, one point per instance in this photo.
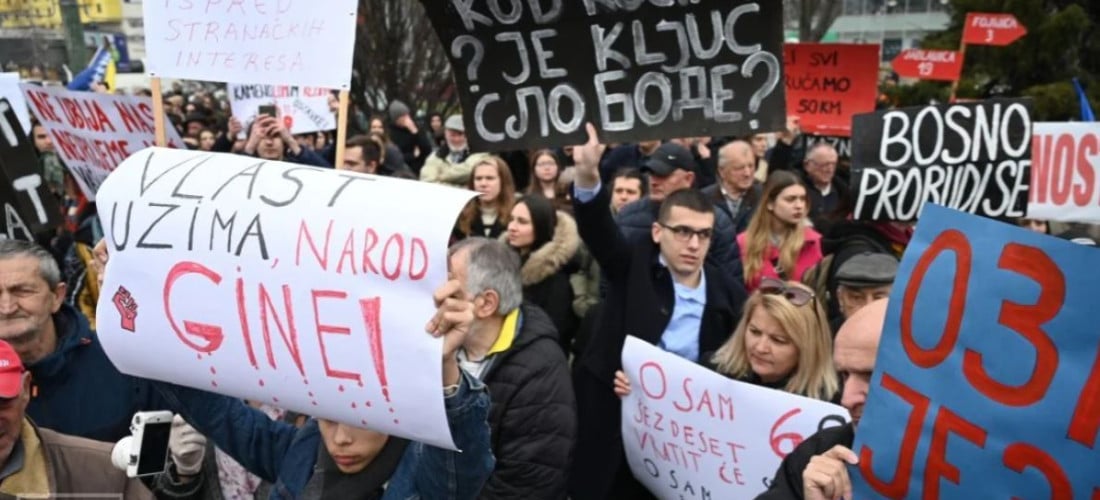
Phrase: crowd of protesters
[736,253]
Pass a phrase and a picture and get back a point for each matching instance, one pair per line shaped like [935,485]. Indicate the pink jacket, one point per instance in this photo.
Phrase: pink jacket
[810,255]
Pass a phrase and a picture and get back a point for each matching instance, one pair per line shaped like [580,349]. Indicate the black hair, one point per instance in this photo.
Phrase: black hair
[688,198]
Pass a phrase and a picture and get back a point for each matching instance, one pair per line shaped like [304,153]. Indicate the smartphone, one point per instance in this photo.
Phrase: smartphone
[267,109]
[149,449]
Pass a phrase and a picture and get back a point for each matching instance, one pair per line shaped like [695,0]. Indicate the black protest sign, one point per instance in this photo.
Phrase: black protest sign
[28,205]
[973,157]
[842,145]
[530,73]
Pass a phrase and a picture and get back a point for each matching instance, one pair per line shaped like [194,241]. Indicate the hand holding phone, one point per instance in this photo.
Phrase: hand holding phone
[145,451]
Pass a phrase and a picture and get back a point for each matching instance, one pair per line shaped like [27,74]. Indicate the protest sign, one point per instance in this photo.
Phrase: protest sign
[828,83]
[1065,157]
[975,157]
[657,69]
[689,432]
[28,205]
[279,283]
[261,42]
[301,109]
[945,65]
[92,132]
[987,374]
[9,89]
[992,29]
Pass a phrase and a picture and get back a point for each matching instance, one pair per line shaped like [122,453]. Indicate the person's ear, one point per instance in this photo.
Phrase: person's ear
[655,231]
[690,178]
[486,304]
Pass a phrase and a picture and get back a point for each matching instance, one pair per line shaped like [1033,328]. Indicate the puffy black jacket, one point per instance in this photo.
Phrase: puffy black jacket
[533,417]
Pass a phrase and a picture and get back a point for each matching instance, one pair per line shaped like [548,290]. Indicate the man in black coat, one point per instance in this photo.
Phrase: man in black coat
[660,291]
[817,468]
[514,350]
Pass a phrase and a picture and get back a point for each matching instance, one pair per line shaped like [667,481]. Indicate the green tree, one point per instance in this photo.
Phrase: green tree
[1063,42]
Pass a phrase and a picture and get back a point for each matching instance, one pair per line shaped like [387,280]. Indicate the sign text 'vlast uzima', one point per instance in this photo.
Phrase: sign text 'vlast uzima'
[974,157]
[531,73]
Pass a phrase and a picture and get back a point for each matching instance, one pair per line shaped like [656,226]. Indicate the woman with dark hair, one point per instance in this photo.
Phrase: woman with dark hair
[545,177]
[547,240]
[779,242]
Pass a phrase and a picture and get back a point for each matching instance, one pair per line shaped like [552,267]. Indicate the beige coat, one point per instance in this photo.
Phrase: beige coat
[73,465]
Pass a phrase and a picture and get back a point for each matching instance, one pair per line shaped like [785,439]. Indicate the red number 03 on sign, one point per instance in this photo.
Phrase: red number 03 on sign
[1027,321]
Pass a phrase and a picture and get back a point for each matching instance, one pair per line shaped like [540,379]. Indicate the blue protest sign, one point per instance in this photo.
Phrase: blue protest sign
[987,380]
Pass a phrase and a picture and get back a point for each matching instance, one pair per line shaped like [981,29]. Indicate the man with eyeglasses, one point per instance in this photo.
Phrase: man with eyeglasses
[737,191]
[662,291]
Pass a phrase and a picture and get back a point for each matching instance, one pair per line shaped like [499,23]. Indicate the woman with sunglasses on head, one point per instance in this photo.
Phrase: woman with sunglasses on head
[782,342]
[779,242]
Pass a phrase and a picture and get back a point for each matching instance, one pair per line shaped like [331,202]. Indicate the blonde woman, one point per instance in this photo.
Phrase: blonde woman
[487,215]
[779,242]
[782,342]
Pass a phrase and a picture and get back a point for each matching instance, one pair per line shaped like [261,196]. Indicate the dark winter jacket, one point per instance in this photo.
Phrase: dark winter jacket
[78,391]
[415,148]
[534,414]
[787,484]
[744,212]
[545,276]
[639,302]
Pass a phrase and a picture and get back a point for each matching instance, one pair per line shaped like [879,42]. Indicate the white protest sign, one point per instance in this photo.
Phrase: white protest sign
[257,41]
[693,433]
[279,283]
[9,89]
[1064,177]
[93,133]
[301,109]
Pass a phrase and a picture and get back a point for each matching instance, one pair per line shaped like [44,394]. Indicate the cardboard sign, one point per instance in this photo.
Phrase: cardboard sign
[975,157]
[693,433]
[987,375]
[93,133]
[992,29]
[828,83]
[945,65]
[9,89]
[268,42]
[28,206]
[1065,158]
[530,75]
[279,283]
[301,109]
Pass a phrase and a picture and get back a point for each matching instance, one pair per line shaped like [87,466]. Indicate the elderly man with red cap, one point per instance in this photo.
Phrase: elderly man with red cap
[40,463]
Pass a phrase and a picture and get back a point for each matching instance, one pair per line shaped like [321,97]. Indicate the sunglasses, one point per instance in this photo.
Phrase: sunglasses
[795,295]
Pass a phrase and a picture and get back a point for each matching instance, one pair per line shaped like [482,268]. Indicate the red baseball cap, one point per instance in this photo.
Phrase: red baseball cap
[11,372]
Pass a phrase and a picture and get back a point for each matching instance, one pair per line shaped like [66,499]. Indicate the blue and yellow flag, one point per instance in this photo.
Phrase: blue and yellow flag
[100,69]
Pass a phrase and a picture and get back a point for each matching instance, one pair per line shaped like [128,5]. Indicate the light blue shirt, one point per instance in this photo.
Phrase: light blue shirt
[586,195]
[681,337]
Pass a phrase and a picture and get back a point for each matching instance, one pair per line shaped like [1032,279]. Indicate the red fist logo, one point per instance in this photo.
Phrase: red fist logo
[127,308]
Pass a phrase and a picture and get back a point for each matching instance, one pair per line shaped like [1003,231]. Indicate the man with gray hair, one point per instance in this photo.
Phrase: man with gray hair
[513,348]
[76,389]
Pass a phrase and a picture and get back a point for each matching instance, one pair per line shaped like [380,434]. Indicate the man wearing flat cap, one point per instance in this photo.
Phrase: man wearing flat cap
[453,163]
[671,168]
[862,279]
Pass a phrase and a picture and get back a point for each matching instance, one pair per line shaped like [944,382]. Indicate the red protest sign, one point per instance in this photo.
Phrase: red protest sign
[827,84]
[992,29]
[929,64]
